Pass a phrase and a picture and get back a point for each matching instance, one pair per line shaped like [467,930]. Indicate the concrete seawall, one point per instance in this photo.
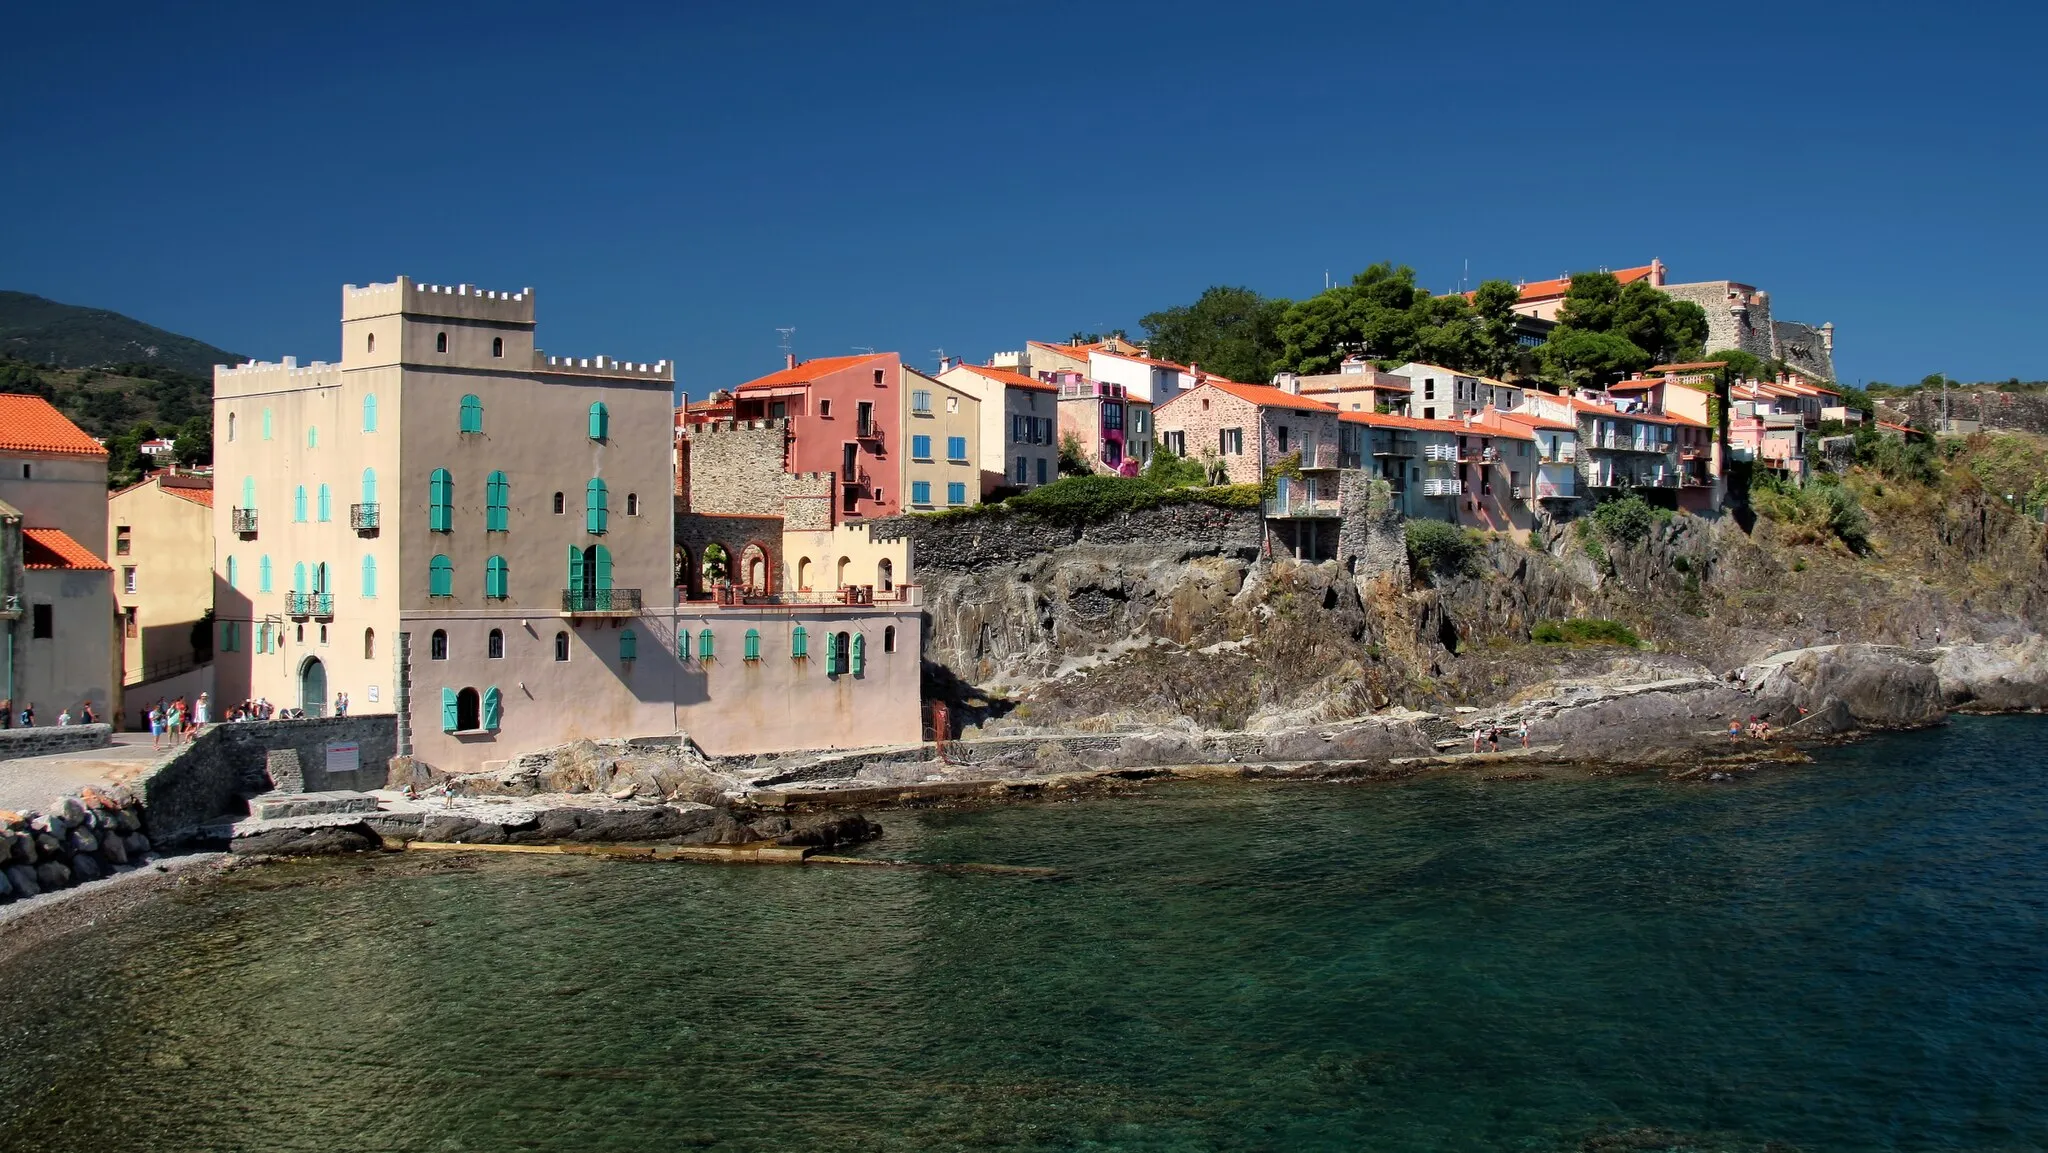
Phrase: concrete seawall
[46,739]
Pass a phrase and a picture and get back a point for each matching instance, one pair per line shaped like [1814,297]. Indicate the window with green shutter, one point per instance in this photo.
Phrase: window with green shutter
[440,577]
[497,578]
[369,576]
[266,424]
[831,655]
[860,654]
[595,514]
[472,419]
[497,503]
[312,436]
[629,645]
[799,644]
[441,501]
[494,709]
[299,577]
[600,422]
[753,646]
[248,492]
[370,412]
[449,713]
[299,504]
[325,506]
[263,573]
[369,486]
[601,567]
[704,648]
[231,572]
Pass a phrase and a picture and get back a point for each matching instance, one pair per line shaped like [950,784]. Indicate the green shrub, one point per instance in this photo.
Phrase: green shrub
[1627,520]
[1074,458]
[1537,542]
[1822,509]
[1441,549]
[1167,470]
[1585,631]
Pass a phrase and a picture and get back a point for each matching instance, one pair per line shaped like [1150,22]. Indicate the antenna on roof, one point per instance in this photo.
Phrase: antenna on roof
[867,348]
[786,334]
[941,354]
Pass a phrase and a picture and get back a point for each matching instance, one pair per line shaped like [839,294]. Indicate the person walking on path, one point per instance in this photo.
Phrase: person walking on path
[1478,737]
[1521,730]
[64,718]
[28,715]
[156,727]
[86,716]
[202,715]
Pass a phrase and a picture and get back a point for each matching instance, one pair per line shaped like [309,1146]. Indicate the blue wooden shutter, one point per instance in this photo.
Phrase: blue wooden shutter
[448,718]
[440,577]
[595,514]
[494,708]
[472,414]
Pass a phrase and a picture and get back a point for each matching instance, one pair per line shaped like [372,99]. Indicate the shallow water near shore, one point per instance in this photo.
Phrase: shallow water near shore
[1851,955]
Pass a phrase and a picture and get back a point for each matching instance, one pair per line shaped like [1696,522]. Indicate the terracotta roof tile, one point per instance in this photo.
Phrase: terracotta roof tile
[809,370]
[32,424]
[1009,379]
[1263,395]
[53,548]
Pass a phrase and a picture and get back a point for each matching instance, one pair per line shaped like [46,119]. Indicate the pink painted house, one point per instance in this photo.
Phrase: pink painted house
[845,418]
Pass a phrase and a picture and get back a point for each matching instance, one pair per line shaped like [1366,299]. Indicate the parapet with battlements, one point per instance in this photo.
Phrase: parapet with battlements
[461,301]
[255,376]
[606,366]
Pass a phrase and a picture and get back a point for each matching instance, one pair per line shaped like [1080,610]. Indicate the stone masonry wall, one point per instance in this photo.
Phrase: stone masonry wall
[206,778]
[970,543]
[2021,411]
[736,467]
[43,739]
[1371,540]
[1726,328]
[1185,414]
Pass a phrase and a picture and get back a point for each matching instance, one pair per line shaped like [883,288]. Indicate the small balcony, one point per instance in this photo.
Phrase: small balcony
[600,602]
[1439,453]
[363,518]
[1442,487]
[1398,446]
[1299,506]
[1555,490]
[869,431]
[1319,458]
[1478,456]
[243,520]
[302,605]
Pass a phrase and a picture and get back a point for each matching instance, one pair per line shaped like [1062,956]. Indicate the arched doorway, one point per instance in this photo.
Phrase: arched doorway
[845,567]
[718,565]
[753,572]
[885,576]
[313,687]
[803,574]
[686,584]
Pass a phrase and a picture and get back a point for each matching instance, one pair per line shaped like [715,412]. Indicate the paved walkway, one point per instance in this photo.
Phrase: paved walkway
[31,783]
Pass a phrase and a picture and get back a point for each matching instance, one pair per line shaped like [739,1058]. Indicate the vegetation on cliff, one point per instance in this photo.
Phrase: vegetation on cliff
[1097,499]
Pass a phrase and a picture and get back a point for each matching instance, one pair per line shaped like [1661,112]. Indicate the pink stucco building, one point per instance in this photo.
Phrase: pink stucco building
[845,417]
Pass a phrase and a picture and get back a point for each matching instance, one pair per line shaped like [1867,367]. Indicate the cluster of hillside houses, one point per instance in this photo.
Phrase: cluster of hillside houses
[512,549]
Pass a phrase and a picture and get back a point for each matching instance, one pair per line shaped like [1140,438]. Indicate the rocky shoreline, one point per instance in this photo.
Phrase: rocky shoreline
[1651,719]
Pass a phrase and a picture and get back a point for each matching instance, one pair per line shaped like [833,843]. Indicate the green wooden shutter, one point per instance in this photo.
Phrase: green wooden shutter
[753,651]
[629,645]
[595,514]
[497,492]
[440,496]
[799,643]
[472,414]
[248,492]
[860,654]
[604,569]
[369,576]
[370,412]
[263,573]
[299,577]
[494,708]
[325,505]
[831,656]
[704,642]
[440,577]
[496,576]
[369,486]
[575,585]
[600,421]
[299,503]
[231,572]
[448,718]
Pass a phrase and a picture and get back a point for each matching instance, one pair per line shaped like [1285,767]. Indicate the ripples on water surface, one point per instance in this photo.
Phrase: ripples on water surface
[1845,957]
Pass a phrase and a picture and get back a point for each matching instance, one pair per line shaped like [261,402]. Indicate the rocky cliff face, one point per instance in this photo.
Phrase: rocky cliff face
[1158,619]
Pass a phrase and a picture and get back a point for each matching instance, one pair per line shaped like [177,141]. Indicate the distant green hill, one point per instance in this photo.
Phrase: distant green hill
[42,331]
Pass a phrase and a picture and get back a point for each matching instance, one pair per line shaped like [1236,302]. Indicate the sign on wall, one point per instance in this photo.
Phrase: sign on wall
[344,756]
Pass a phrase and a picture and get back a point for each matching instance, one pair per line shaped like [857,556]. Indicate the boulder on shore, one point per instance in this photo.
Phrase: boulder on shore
[1882,686]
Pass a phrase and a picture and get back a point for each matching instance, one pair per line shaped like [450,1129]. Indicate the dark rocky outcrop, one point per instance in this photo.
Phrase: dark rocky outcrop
[1881,686]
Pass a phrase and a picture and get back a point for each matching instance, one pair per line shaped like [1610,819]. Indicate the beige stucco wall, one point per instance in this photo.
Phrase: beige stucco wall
[170,547]
[733,706]
[1000,448]
[77,663]
[64,492]
[821,561]
[954,412]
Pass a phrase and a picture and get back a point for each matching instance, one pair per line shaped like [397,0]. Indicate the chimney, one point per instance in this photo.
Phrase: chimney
[1656,273]
[789,360]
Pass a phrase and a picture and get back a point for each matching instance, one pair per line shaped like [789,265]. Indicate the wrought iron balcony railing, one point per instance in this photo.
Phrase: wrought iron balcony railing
[244,520]
[600,600]
[363,517]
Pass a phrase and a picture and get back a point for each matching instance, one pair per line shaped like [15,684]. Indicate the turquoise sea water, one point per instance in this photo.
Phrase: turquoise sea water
[1848,956]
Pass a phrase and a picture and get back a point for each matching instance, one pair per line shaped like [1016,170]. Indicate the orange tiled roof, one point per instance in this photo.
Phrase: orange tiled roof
[32,424]
[1688,367]
[1538,289]
[53,548]
[1008,379]
[1387,382]
[1263,395]
[203,496]
[1394,420]
[1534,421]
[808,371]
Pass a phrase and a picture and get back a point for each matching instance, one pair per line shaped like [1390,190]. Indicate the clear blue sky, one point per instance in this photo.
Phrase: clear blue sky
[679,180]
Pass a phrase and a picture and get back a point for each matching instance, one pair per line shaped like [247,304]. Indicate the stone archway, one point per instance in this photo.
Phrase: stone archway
[720,564]
[688,584]
[756,569]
